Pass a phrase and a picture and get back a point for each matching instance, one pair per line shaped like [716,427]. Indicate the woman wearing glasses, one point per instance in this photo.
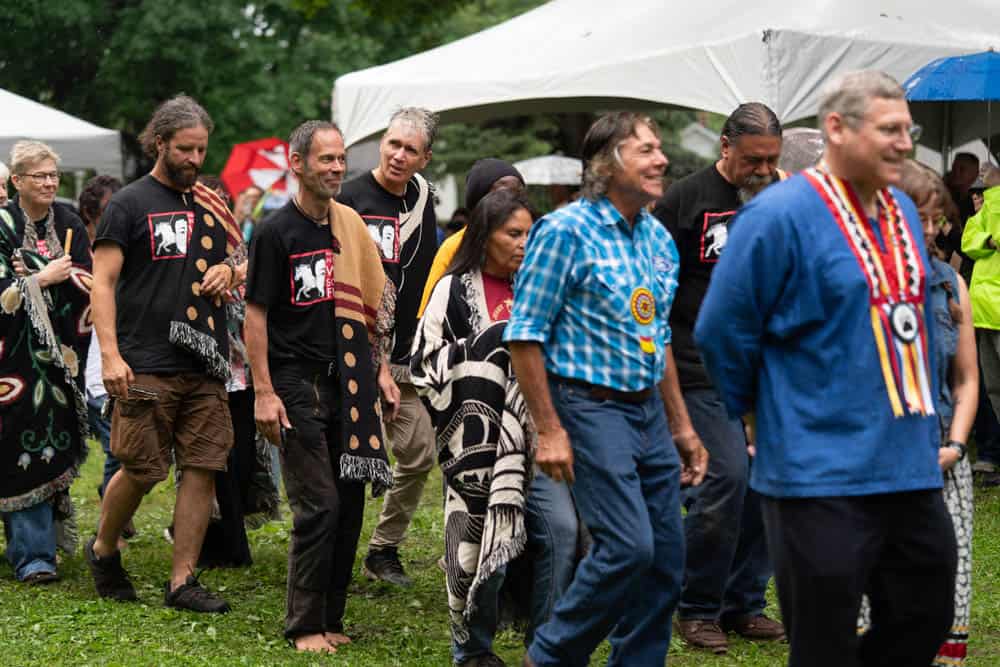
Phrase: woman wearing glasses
[44,333]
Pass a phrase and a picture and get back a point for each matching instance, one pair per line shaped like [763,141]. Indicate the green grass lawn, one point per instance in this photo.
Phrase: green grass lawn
[66,623]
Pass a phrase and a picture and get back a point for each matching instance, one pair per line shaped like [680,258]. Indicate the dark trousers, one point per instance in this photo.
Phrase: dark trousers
[225,543]
[326,511]
[727,563]
[986,428]
[899,548]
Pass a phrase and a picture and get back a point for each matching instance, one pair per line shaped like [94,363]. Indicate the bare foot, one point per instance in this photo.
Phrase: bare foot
[336,638]
[316,643]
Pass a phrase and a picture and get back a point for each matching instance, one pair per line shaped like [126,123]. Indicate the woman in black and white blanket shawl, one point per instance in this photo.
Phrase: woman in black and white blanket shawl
[485,437]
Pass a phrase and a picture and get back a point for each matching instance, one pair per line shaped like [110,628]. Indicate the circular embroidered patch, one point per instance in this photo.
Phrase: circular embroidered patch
[643,306]
[905,322]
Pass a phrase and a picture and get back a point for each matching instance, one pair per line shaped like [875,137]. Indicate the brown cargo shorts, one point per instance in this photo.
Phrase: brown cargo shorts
[187,421]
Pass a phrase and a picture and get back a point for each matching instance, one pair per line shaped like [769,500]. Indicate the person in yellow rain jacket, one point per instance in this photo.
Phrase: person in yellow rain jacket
[980,241]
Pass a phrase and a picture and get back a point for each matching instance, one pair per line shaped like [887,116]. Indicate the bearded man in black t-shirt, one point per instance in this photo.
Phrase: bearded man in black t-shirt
[397,204]
[166,251]
[316,293]
[727,561]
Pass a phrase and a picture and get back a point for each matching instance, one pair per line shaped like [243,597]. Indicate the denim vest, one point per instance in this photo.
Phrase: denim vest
[944,286]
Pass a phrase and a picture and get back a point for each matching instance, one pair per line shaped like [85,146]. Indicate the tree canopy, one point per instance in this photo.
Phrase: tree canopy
[259,68]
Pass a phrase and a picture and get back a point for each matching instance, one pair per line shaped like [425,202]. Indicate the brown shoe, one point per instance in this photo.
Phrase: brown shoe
[756,626]
[702,633]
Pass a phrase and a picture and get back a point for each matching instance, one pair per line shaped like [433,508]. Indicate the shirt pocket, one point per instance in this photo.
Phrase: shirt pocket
[606,284]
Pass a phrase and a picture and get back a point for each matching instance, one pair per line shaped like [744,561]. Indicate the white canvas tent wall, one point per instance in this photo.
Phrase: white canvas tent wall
[590,54]
[80,144]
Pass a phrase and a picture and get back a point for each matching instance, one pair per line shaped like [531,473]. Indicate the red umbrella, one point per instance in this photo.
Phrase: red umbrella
[263,163]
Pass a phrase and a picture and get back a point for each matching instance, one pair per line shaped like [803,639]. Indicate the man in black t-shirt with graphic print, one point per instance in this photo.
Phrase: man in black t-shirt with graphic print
[397,205]
[166,251]
[309,378]
[727,561]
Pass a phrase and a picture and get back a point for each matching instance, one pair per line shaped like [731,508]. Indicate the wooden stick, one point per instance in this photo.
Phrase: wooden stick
[69,241]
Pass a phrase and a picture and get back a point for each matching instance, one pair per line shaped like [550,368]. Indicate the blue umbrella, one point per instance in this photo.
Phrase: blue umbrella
[975,77]
[947,97]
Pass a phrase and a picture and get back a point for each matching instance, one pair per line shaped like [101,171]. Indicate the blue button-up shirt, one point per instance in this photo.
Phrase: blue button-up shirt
[580,294]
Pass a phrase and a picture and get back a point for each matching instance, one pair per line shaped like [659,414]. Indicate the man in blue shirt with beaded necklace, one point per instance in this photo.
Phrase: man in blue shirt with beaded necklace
[590,345]
[815,320]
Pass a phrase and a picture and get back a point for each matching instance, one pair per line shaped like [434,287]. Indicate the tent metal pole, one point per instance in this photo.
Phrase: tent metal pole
[945,137]
[989,129]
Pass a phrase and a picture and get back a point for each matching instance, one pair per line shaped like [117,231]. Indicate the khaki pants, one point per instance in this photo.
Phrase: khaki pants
[411,441]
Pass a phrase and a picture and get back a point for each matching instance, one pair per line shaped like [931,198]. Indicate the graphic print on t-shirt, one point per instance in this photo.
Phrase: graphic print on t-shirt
[169,233]
[311,277]
[385,233]
[714,234]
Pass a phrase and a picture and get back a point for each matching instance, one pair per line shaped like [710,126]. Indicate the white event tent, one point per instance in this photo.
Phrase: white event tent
[80,144]
[581,55]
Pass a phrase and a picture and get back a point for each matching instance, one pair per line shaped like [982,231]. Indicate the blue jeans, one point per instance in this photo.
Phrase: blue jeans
[550,519]
[727,561]
[627,491]
[483,623]
[552,539]
[31,540]
[101,428]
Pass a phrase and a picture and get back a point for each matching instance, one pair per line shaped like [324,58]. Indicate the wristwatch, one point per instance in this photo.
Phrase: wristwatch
[957,446]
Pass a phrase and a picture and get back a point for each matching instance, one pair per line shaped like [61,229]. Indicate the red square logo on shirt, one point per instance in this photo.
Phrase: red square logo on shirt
[311,277]
[385,233]
[169,234]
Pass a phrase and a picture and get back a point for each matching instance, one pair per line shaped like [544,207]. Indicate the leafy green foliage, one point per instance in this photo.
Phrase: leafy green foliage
[259,68]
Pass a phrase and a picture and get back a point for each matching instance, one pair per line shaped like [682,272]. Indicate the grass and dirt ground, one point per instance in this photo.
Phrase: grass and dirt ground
[67,624]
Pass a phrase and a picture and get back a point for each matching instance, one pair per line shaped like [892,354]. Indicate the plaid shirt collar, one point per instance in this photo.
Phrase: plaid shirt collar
[609,215]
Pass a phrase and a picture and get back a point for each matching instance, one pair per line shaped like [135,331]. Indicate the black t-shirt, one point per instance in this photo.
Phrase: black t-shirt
[407,252]
[291,272]
[153,224]
[697,211]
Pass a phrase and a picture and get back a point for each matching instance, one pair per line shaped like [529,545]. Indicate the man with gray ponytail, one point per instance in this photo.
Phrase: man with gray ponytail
[727,565]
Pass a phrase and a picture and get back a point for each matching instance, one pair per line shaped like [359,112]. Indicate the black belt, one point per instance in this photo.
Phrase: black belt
[602,393]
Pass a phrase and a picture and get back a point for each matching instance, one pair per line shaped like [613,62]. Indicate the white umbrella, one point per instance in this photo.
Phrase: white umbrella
[551,170]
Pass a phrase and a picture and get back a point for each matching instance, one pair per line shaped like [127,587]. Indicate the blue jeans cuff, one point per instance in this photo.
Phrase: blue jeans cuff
[34,567]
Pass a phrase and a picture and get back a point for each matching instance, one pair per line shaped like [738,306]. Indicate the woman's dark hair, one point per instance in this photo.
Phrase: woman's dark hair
[491,212]
[92,194]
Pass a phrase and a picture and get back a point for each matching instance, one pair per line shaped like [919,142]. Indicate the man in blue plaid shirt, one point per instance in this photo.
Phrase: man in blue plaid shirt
[590,345]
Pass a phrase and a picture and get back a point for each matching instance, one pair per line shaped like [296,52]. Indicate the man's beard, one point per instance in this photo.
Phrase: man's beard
[182,176]
[753,186]
[312,182]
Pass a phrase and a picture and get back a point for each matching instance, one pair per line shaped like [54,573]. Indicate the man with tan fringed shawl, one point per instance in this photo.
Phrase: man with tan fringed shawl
[316,299]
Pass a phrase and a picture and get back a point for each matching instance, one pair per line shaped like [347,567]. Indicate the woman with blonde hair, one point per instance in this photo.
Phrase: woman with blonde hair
[44,334]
